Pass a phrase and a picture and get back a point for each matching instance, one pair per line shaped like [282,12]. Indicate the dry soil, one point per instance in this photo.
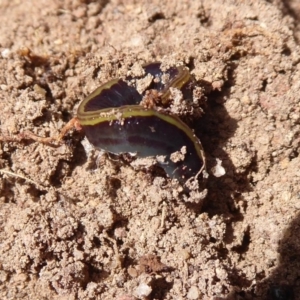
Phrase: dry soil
[78,226]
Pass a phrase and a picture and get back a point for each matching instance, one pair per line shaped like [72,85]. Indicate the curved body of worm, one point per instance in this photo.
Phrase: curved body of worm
[113,120]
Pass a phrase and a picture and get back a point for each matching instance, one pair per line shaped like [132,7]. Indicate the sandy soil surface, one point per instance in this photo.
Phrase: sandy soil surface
[74,226]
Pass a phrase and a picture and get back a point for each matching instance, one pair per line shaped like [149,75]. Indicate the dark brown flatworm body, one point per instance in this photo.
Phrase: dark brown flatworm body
[113,121]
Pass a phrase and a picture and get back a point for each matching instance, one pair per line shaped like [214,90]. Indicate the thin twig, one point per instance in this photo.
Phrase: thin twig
[3,171]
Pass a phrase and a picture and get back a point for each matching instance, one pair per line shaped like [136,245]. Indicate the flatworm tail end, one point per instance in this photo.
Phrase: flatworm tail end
[178,77]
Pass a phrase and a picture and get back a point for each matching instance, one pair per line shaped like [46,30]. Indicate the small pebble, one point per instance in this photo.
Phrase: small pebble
[39,90]
[132,272]
[218,170]
[185,254]
[5,53]
[193,293]
[143,290]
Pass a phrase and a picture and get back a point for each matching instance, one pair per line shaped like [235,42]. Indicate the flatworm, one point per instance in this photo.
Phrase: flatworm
[113,120]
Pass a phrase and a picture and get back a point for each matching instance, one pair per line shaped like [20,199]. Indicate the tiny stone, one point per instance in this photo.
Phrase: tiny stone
[185,254]
[193,293]
[218,170]
[5,53]
[132,272]
[144,290]
[39,90]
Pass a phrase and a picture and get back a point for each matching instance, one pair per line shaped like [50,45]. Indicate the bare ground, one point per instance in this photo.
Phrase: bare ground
[73,228]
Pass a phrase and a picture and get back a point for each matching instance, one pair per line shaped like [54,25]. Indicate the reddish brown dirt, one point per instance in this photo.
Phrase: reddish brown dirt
[75,229]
